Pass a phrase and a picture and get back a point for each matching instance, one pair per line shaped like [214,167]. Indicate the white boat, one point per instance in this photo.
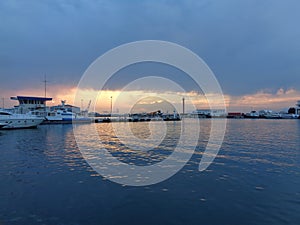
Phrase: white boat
[64,115]
[289,116]
[171,117]
[2,125]
[10,120]
[61,114]
[36,106]
[252,114]
[273,115]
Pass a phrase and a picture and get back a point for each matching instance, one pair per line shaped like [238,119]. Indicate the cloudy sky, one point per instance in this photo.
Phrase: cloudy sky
[252,46]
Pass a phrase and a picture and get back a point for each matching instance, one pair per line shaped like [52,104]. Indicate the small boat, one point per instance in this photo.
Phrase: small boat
[171,117]
[252,115]
[289,116]
[10,120]
[63,115]
[139,117]
[2,125]
[103,120]
[273,116]
[235,115]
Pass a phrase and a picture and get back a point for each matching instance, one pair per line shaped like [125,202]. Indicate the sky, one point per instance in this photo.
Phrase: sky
[252,46]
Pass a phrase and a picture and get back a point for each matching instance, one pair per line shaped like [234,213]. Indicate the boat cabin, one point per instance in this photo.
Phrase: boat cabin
[28,103]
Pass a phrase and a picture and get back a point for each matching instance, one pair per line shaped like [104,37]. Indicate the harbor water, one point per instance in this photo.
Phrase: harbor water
[255,178]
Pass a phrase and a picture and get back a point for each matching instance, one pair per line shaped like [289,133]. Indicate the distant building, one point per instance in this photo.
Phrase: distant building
[69,108]
[29,103]
[210,112]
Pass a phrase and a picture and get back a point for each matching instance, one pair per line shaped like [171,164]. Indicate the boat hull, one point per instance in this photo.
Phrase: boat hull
[20,123]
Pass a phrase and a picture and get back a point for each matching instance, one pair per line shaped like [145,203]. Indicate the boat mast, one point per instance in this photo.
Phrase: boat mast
[45,82]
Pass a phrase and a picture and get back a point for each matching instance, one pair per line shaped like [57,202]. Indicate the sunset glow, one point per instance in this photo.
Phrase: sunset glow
[123,101]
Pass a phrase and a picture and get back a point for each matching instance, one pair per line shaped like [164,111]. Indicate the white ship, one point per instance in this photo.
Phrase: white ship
[64,115]
[10,120]
[253,114]
[36,106]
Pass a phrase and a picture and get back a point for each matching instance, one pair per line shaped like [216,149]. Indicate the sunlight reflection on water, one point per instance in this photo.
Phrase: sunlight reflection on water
[255,178]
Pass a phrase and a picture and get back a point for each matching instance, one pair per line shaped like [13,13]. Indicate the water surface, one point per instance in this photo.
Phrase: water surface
[255,179]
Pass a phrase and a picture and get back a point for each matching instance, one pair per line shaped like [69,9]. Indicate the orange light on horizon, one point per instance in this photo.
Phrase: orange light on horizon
[123,100]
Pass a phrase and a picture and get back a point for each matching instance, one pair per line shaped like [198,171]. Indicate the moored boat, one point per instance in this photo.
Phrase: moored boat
[273,115]
[2,125]
[36,106]
[61,115]
[289,116]
[252,115]
[171,117]
[103,120]
[10,120]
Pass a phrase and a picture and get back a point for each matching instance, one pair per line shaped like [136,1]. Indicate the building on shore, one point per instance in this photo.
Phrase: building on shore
[210,113]
[67,107]
[30,103]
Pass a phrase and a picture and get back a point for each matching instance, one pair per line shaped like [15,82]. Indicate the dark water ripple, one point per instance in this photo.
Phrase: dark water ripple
[254,179]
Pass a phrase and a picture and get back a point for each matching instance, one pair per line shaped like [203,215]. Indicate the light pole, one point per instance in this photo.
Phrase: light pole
[110,105]
[183,106]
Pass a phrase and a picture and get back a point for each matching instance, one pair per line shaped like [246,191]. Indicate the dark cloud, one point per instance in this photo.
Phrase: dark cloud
[250,45]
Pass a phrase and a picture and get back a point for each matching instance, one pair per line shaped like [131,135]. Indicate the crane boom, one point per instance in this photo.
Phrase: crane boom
[88,106]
